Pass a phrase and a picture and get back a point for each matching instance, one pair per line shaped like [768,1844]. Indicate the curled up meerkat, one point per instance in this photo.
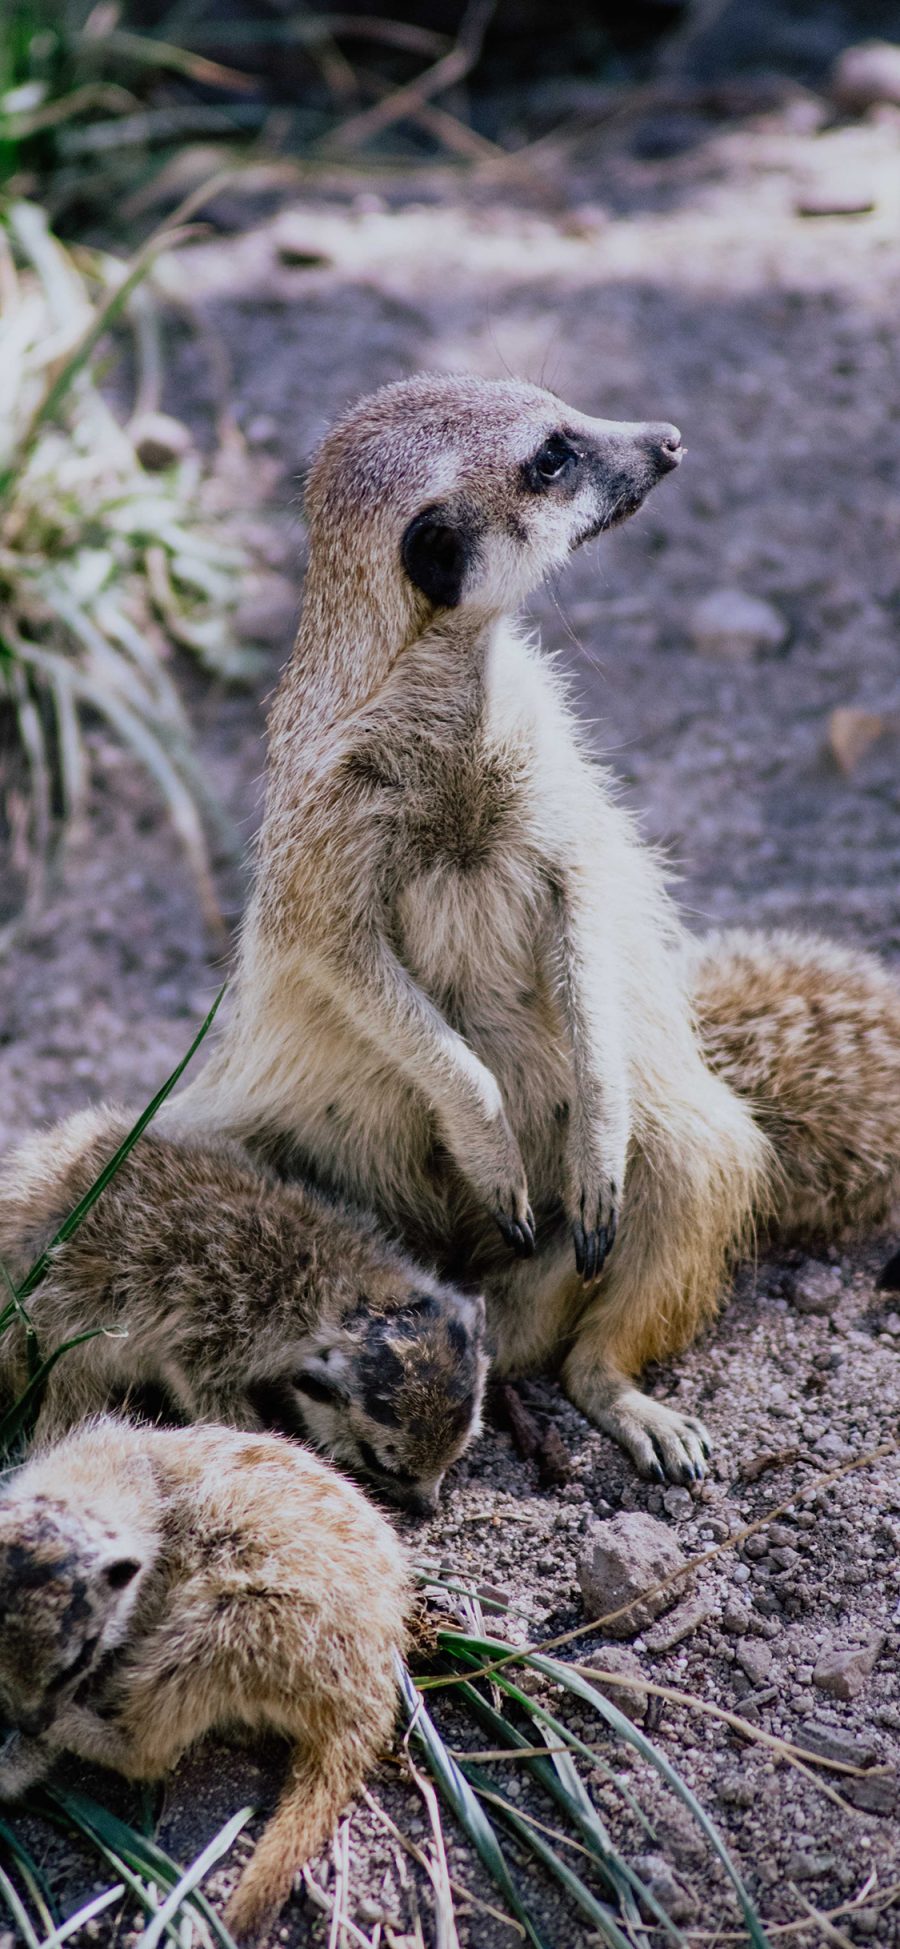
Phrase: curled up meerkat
[463,999]
[158,1584]
[224,1295]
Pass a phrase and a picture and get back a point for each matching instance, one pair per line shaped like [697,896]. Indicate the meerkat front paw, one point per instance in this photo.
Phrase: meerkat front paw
[664,1445]
[594,1231]
[495,1166]
[593,1213]
[512,1212]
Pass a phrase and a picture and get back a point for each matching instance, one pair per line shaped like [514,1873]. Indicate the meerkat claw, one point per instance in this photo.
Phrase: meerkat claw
[664,1445]
[518,1233]
[592,1249]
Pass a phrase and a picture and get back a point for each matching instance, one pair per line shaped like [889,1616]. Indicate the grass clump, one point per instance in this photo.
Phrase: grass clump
[90,103]
[111,552]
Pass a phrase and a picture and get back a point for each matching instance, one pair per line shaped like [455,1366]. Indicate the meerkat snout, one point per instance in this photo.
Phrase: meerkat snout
[394,1396]
[669,447]
[480,488]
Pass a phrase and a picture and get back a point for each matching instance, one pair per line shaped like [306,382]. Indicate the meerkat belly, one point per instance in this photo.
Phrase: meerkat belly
[473,940]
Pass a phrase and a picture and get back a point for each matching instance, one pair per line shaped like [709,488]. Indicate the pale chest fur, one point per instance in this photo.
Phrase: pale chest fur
[479,824]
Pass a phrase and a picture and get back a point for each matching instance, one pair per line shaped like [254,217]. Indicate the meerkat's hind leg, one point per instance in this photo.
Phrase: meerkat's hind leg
[664,1444]
[696,1179]
[531,1311]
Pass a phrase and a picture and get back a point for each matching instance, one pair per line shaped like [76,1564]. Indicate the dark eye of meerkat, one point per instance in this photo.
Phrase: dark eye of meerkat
[556,461]
[404,1478]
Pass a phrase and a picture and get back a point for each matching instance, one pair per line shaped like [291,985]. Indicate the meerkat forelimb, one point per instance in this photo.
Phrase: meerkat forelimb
[463,996]
[158,1584]
[219,1294]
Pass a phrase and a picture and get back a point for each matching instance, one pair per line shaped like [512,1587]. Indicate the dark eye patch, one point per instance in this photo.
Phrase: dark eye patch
[554,465]
[404,1477]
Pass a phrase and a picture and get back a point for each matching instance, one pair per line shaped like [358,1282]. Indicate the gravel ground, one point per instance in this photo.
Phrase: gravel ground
[662,274]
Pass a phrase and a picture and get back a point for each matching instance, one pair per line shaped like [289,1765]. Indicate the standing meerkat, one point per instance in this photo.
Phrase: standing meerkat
[158,1584]
[231,1297]
[463,998]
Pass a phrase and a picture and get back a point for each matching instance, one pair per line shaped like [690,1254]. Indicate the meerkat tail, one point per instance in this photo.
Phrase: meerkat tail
[308,1808]
[808,1033]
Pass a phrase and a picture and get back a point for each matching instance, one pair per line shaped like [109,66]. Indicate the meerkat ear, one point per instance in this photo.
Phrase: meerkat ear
[436,551]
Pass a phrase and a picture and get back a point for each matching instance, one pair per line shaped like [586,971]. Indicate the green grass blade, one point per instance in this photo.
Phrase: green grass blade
[599,1914]
[212,1853]
[20,1418]
[134,1852]
[18,1911]
[70,1225]
[75,1923]
[68,1823]
[31,1875]
[617,1865]
[465,1805]
[585,1819]
[102,317]
[561,1674]
[573,1682]
[530,1706]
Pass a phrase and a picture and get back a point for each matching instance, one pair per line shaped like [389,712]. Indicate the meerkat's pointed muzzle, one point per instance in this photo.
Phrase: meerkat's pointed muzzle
[666,447]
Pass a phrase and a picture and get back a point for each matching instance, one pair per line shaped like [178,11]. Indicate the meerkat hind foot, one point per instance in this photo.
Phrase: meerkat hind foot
[664,1445]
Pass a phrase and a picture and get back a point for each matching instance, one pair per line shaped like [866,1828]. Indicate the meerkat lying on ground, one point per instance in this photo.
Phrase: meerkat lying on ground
[234,1298]
[156,1584]
[463,998]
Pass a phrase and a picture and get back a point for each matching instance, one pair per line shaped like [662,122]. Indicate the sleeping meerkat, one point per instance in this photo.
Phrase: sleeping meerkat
[232,1297]
[156,1584]
[463,998]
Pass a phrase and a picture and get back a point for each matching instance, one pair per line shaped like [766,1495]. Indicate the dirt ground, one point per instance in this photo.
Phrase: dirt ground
[669,277]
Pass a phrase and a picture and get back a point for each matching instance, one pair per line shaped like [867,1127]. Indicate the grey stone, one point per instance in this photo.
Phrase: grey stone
[731,625]
[756,1546]
[814,1289]
[655,1871]
[688,1617]
[623,1559]
[803,1866]
[842,1672]
[876,1793]
[735,1615]
[678,1502]
[737,1791]
[755,1659]
[630,1699]
[832,1743]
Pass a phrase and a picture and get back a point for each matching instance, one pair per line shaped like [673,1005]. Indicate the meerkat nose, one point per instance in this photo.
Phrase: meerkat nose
[666,446]
[420,1504]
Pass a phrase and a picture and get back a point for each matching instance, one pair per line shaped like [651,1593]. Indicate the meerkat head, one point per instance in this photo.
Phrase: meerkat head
[394,1396]
[450,492]
[68,1586]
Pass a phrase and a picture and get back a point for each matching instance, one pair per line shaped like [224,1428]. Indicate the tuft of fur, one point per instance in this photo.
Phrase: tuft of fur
[228,1296]
[808,1032]
[158,1584]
